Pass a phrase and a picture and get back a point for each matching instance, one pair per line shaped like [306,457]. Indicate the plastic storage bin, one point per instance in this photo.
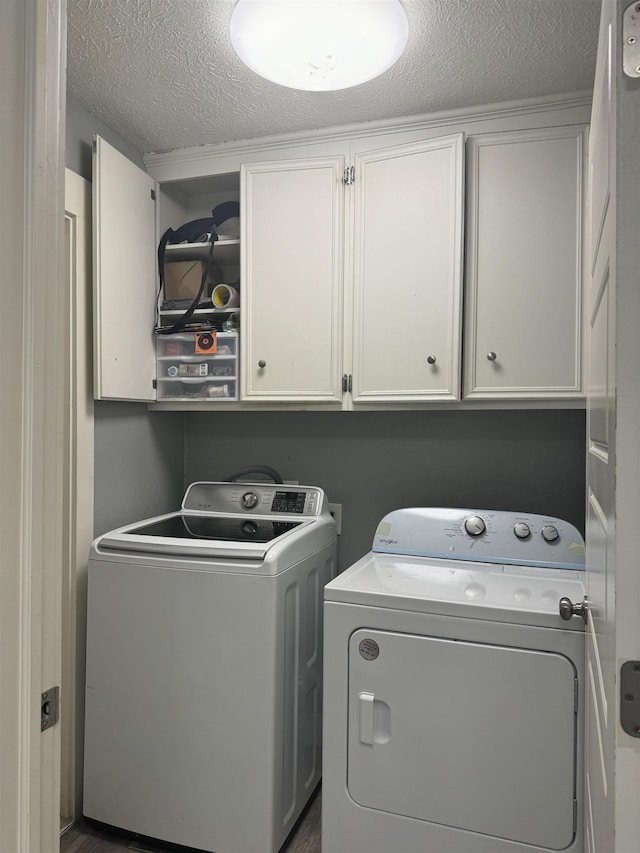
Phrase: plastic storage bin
[198,366]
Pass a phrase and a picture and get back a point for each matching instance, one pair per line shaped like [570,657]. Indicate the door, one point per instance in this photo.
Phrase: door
[524,282]
[292,261]
[408,271]
[124,277]
[613,449]
[467,735]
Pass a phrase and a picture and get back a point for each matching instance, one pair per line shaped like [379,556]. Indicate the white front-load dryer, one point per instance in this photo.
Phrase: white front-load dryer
[453,688]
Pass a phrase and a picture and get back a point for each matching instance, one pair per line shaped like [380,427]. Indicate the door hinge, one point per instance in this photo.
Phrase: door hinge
[153,195]
[345,382]
[49,708]
[630,697]
[154,384]
[350,175]
[631,40]
[350,383]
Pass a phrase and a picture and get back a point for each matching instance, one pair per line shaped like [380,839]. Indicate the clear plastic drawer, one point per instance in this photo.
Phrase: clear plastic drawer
[197,366]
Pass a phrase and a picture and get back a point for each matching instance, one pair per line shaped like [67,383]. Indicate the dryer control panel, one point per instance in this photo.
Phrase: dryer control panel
[255,499]
[481,535]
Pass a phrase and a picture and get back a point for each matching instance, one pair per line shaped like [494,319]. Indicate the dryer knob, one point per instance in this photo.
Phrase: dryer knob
[550,533]
[474,525]
[522,530]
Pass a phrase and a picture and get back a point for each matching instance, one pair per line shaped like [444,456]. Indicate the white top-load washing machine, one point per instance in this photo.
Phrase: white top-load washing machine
[204,667]
[453,689]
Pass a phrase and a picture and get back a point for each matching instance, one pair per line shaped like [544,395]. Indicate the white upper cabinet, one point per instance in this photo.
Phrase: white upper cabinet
[524,264]
[408,272]
[131,210]
[124,276]
[347,277]
[292,238]
[402,287]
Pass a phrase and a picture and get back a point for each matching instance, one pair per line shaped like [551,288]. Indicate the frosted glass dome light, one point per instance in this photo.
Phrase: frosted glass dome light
[319,45]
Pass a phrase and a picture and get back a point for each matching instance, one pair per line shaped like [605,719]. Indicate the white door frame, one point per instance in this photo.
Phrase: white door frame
[33,326]
[78,486]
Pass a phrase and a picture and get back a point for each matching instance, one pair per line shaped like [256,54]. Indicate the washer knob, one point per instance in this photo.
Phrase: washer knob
[522,530]
[550,533]
[474,525]
[249,500]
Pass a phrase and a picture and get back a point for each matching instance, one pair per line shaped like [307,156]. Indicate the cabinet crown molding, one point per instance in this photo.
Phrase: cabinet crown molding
[507,109]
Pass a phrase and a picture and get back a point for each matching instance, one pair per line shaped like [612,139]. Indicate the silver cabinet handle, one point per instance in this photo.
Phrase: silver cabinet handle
[431,359]
[491,356]
[262,363]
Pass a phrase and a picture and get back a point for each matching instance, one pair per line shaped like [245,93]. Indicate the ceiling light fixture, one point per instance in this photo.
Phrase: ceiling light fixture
[319,45]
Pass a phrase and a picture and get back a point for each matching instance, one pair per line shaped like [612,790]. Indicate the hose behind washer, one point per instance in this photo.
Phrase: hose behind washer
[254,469]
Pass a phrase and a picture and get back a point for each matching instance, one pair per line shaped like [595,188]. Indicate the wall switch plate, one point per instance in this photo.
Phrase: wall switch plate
[336,512]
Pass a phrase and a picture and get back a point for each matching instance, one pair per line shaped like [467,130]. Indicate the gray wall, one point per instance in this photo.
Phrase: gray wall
[370,462]
[373,462]
[138,454]
[138,463]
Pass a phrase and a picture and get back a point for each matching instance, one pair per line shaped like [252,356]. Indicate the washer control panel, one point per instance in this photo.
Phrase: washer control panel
[490,536]
[255,499]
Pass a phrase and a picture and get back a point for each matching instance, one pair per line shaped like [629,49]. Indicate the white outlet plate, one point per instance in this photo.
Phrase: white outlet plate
[336,512]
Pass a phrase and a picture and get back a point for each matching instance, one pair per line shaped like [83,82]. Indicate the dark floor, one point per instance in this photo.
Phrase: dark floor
[84,837]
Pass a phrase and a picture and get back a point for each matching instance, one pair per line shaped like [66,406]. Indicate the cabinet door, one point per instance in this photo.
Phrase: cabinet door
[124,275]
[291,279]
[523,312]
[408,271]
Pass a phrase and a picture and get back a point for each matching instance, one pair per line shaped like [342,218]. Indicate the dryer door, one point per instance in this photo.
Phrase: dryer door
[468,735]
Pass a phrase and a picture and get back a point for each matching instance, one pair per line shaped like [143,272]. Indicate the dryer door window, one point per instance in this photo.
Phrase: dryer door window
[468,735]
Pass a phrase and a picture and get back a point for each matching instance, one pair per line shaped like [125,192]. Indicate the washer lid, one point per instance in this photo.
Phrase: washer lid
[517,594]
[190,535]
[232,521]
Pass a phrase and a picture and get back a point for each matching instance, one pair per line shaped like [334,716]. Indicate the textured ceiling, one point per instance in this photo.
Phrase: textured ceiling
[163,74]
